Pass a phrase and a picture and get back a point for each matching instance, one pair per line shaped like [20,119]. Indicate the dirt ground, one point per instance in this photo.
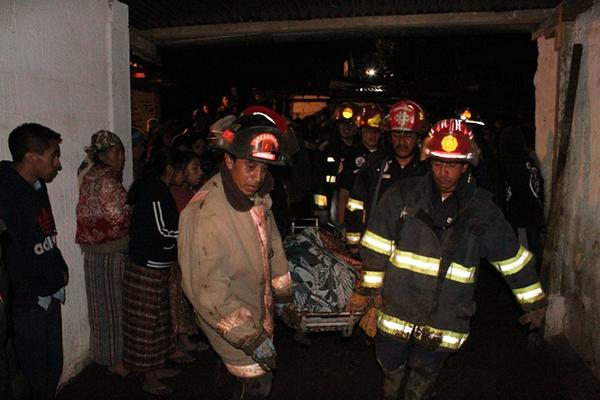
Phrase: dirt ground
[495,363]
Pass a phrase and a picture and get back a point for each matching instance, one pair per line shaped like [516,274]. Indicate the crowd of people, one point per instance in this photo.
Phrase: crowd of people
[196,242]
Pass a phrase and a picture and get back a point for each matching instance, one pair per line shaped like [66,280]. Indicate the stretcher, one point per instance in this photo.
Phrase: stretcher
[319,310]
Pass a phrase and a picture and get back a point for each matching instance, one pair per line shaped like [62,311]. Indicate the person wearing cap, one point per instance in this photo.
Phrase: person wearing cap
[421,253]
[103,219]
[397,161]
[234,269]
[370,122]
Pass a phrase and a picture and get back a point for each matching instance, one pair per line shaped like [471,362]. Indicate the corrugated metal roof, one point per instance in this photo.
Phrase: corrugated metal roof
[153,14]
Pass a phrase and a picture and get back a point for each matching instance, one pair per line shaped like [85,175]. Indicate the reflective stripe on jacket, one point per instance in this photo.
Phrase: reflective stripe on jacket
[363,193]
[405,259]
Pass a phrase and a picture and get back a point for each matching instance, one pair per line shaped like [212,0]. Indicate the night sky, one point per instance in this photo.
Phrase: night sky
[492,73]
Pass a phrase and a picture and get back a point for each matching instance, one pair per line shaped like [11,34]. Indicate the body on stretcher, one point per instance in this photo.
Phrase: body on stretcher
[324,277]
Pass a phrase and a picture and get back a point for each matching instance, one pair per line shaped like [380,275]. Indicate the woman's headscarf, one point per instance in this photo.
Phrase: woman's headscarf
[101,141]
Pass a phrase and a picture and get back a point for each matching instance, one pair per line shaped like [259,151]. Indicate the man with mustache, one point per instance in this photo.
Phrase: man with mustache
[401,160]
[234,269]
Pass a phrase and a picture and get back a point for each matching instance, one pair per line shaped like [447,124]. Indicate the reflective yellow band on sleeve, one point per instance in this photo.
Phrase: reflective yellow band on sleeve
[431,266]
[352,238]
[514,264]
[320,200]
[330,178]
[330,159]
[529,294]
[355,205]
[373,279]
[377,243]
[395,326]
[462,274]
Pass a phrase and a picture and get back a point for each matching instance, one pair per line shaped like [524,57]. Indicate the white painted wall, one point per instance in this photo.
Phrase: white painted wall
[575,267]
[65,64]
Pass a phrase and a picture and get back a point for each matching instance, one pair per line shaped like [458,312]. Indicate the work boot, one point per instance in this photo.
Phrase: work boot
[420,383]
[391,382]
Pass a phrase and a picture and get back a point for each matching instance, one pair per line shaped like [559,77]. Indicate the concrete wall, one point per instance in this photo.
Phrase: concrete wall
[65,64]
[575,273]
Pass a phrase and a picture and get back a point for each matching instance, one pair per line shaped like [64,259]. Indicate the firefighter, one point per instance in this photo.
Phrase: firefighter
[371,122]
[330,156]
[400,160]
[421,252]
[232,261]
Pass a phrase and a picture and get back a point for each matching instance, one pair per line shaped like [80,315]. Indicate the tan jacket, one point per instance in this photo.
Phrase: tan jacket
[223,270]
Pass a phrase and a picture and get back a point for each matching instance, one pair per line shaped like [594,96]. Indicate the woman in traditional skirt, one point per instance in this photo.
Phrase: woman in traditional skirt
[103,219]
[182,313]
[149,340]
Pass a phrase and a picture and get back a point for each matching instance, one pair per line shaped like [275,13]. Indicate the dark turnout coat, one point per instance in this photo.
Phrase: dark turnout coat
[428,278]
[379,173]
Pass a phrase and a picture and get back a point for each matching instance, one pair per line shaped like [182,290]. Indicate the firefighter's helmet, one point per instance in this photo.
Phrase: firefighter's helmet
[470,116]
[370,115]
[346,112]
[451,140]
[255,137]
[269,114]
[406,115]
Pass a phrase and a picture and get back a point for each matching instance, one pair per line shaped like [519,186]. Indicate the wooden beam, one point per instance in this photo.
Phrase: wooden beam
[557,197]
[520,20]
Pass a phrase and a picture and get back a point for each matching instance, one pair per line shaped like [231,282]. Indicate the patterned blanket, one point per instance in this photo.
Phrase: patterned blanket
[323,282]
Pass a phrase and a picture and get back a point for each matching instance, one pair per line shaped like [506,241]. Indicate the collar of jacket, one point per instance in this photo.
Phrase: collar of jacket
[12,180]
[236,198]
[462,196]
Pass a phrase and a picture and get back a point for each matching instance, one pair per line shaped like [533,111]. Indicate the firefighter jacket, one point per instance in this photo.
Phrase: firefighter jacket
[232,264]
[350,165]
[327,167]
[380,172]
[425,260]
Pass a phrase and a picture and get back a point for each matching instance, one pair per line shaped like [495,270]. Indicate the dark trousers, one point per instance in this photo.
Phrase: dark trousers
[393,352]
[38,346]
[4,370]
[257,388]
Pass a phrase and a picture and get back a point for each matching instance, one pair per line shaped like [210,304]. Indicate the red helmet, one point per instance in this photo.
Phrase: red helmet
[269,114]
[370,115]
[451,140]
[255,137]
[406,115]
[346,112]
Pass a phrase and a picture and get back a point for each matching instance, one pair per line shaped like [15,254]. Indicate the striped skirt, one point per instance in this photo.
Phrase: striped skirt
[147,326]
[182,312]
[103,284]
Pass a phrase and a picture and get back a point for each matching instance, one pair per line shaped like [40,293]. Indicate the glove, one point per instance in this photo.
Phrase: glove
[368,322]
[535,318]
[265,355]
[359,303]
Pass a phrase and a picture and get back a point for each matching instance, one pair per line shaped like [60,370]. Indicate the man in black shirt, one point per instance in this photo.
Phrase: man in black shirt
[36,268]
